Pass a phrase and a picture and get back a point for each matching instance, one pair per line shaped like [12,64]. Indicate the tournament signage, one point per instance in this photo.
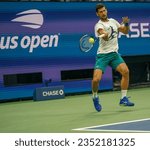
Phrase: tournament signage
[31,29]
[47,93]
[44,37]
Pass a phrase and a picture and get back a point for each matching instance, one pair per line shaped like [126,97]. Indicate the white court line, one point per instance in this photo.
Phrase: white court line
[89,128]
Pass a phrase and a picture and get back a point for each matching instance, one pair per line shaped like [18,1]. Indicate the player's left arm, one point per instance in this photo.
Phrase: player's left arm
[124,28]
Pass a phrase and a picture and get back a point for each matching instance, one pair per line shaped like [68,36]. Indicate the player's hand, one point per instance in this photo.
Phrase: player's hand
[125,20]
[101,31]
[106,36]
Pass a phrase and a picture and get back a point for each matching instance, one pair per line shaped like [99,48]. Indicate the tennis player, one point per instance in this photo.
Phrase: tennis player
[107,54]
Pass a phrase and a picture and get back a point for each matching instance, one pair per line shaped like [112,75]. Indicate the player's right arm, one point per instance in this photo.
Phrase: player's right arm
[102,31]
[99,30]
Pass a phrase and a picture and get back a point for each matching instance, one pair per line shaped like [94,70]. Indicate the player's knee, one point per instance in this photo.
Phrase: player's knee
[96,80]
[125,72]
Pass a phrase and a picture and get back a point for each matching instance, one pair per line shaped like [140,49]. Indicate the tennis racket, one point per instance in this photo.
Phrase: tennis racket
[85,44]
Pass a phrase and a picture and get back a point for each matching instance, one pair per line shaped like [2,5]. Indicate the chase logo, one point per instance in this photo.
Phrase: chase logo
[47,93]
[30,18]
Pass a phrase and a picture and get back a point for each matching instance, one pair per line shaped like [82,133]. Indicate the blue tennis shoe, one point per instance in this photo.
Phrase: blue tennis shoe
[97,105]
[125,102]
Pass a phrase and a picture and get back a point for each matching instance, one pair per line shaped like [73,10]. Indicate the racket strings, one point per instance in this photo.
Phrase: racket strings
[85,45]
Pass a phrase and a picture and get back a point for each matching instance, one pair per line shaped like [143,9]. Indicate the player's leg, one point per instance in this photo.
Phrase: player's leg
[119,65]
[100,65]
[97,75]
[95,82]
[124,71]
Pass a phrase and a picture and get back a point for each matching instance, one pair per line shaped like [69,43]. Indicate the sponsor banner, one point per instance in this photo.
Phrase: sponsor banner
[47,93]
[35,30]
[45,36]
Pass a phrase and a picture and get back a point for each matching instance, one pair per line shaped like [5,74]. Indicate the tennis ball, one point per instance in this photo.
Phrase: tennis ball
[91,40]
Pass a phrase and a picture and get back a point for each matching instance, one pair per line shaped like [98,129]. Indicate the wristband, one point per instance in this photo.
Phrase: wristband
[126,24]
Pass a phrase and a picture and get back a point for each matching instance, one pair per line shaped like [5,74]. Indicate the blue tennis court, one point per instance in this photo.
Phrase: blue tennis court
[142,125]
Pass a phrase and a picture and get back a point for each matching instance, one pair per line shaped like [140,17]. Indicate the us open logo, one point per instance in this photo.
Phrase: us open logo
[31,18]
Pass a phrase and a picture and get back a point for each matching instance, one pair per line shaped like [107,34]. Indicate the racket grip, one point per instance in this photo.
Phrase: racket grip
[102,35]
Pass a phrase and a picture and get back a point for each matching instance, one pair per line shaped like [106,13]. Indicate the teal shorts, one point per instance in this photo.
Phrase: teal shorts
[112,59]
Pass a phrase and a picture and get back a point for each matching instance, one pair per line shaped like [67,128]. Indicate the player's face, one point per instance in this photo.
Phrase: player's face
[102,13]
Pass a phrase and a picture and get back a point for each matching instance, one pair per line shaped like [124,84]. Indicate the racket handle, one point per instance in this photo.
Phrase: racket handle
[102,35]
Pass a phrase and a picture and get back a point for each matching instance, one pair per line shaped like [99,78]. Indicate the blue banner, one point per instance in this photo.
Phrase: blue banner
[44,36]
[47,93]
[48,30]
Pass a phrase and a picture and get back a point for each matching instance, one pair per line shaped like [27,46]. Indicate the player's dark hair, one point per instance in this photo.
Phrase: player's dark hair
[99,6]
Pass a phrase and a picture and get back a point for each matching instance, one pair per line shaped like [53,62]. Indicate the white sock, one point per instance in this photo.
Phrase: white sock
[95,94]
[124,93]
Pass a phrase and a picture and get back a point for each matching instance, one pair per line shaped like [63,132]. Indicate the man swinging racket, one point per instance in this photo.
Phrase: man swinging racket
[107,54]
